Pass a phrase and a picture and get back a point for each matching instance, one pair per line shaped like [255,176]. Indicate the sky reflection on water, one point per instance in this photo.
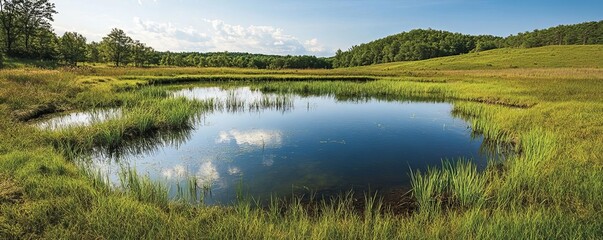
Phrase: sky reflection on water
[331,147]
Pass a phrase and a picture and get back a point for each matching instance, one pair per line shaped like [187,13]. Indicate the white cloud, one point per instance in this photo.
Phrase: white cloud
[265,39]
[254,138]
[165,36]
[216,35]
[313,46]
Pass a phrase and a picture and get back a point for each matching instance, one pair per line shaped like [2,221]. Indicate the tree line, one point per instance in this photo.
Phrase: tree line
[422,44]
[26,32]
[577,34]
[119,49]
[241,60]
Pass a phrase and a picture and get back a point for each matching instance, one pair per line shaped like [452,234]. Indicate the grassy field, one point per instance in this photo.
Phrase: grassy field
[546,102]
[576,56]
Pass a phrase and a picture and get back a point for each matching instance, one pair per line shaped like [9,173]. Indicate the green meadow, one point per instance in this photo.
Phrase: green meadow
[545,103]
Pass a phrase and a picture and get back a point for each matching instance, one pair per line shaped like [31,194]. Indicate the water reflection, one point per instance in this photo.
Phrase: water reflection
[178,171]
[254,138]
[234,171]
[80,119]
[268,160]
[494,150]
[207,174]
[328,146]
[244,93]
[497,151]
[240,99]
[141,146]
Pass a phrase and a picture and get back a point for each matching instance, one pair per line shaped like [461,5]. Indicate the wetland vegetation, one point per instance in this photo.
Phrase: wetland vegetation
[281,144]
[550,188]
[500,142]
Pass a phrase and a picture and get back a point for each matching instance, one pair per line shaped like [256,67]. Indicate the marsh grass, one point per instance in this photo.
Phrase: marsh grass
[426,189]
[145,118]
[142,188]
[158,80]
[233,103]
[387,90]
[190,190]
[456,185]
[98,179]
[278,102]
[552,189]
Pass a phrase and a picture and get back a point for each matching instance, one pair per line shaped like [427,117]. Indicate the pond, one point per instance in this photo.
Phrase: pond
[79,119]
[266,144]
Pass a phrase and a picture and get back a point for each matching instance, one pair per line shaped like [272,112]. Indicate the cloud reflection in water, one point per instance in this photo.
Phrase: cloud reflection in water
[207,173]
[254,138]
[268,161]
[234,171]
[177,171]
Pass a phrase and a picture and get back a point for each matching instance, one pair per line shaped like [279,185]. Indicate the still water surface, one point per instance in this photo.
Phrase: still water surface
[309,144]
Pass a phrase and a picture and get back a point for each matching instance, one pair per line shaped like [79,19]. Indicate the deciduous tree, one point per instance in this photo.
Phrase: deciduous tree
[9,15]
[141,53]
[34,14]
[72,47]
[117,47]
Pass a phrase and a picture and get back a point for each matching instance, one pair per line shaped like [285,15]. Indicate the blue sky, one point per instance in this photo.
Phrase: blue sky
[316,27]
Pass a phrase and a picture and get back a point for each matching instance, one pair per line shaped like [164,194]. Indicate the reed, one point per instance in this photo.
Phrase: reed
[277,102]
[467,185]
[427,190]
[143,188]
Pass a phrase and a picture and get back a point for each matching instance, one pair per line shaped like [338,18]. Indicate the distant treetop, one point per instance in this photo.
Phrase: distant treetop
[422,44]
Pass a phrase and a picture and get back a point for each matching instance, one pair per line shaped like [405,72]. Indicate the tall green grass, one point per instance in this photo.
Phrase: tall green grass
[143,188]
[142,119]
[456,185]
[278,102]
[550,190]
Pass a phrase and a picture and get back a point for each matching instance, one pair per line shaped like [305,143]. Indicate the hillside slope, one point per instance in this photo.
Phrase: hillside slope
[420,44]
[577,56]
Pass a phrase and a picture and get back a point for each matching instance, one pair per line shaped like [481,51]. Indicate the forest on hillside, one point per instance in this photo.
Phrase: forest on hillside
[26,32]
[422,44]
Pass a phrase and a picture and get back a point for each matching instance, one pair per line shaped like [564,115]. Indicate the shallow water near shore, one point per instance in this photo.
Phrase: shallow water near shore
[262,145]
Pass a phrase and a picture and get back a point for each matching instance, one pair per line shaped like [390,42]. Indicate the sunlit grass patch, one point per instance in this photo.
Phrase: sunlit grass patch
[551,188]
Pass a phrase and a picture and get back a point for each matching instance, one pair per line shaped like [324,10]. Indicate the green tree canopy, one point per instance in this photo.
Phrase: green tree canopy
[72,47]
[141,54]
[25,23]
[93,52]
[423,44]
[117,47]
[35,14]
